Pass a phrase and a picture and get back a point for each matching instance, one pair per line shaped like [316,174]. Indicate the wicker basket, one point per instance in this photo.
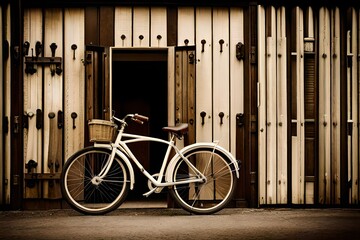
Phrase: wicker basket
[102,131]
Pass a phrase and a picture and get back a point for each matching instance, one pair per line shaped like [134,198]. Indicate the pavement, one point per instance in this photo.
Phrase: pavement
[133,221]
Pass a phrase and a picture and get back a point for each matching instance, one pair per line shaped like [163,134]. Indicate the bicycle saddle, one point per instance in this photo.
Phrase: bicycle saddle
[179,130]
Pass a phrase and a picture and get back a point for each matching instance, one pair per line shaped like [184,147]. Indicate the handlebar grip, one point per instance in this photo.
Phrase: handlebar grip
[140,118]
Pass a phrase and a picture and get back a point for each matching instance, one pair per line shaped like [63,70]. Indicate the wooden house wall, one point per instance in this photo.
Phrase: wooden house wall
[305,85]
[307,94]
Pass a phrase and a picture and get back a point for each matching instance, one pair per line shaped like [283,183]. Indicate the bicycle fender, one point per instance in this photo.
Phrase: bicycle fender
[124,158]
[172,163]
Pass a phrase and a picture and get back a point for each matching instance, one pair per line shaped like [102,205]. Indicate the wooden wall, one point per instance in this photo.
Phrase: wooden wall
[281,95]
[303,73]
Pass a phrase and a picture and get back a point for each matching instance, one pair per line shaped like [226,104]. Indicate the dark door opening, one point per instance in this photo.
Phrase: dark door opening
[139,85]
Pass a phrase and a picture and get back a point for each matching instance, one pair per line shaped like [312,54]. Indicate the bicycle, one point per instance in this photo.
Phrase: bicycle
[201,177]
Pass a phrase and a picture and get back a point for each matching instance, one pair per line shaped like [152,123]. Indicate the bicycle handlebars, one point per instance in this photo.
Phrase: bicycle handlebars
[134,117]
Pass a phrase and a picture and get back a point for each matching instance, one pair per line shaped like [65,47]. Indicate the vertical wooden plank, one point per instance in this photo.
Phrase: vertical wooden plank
[92,26]
[123,27]
[203,75]
[311,106]
[186,26]
[355,110]
[74,81]
[53,98]
[141,27]
[282,144]
[2,101]
[33,101]
[106,31]
[171,86]
[297,161]
[7,109]
[301,107]
[178,86]
[191,81]
[236,73]
[349,56]
[262,105]
[271,90]
[171,23]
[324,105]
[335,101]
[158,27]
[221,76]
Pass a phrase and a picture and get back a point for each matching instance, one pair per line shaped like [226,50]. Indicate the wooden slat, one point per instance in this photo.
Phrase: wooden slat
[236,72]
[7,112]
[171,87]
[335,125]
[2,100]
[271,94]
[282,143]
[158,27]
[221,81]
[53,99]
[186,26]
[297,161]
[141,27]
[33,26]
[178,86]
[354,111]
[190,103]
[123,27]
[261,105]
[324,105]
[74,81]
[203,75]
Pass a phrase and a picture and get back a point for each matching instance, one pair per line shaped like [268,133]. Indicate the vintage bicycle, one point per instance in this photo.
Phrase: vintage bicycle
[201,177]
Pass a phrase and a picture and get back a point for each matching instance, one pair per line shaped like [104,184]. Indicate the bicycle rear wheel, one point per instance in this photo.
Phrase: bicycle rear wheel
[85,191]
[212,195]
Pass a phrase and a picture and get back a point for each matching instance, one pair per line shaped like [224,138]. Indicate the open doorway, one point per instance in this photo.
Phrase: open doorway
[139,85]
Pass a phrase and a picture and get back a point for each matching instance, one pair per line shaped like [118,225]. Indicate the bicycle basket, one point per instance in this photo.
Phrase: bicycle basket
[102,131]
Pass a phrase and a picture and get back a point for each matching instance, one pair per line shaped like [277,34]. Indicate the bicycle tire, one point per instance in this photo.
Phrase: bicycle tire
[89,195]
[211,196]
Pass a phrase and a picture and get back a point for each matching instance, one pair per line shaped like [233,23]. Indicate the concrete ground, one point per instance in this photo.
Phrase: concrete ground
[157,222]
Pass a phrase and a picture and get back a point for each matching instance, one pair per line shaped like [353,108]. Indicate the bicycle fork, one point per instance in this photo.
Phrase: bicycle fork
[96,180]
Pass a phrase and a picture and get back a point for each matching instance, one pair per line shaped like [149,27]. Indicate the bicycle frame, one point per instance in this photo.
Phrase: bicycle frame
[121,149]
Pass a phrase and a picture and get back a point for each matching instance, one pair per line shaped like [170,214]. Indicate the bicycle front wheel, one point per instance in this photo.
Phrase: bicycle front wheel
[212,195]
[88,193]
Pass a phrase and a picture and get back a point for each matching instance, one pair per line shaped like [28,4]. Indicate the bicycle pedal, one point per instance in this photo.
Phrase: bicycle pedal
[149,192]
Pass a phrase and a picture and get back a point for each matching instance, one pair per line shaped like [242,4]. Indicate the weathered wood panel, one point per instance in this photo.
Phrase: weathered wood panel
[335,101]
[310,105]
[221,78]
[2,100]
[7,106]
[186,26]
[141,27]
[74,81]
[297,81]
[324,106]
[353,95]
[271,95]
[261,92]
[53,100]
[33,89]
[158,27]
[123,27]
[282,115]
[203,75]
[236,73]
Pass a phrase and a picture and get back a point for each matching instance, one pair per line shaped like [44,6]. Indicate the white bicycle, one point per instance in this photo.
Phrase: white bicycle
[201,177]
